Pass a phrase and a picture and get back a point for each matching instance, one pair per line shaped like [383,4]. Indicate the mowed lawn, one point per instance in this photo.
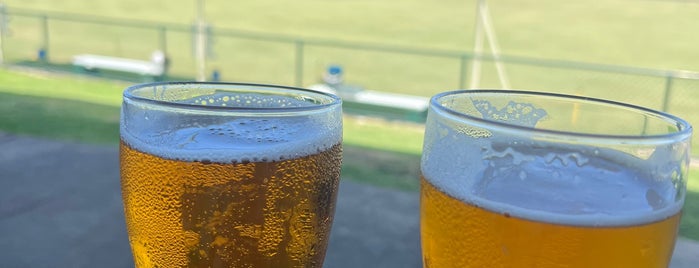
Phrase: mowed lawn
[651,34]
[627,32]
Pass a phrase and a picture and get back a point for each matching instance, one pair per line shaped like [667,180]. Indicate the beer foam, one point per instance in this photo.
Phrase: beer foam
[230,138]
[573,185]
[240,140]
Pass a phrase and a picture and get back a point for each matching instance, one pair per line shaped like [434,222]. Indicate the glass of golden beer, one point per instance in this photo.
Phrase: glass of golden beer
[229,175]
[526,179]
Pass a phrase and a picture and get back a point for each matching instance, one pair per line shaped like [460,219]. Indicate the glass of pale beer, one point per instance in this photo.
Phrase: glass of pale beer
[229,175]
[526,179]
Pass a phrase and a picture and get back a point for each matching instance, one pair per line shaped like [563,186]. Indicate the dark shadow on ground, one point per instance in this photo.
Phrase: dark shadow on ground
[59,118]
[381,168]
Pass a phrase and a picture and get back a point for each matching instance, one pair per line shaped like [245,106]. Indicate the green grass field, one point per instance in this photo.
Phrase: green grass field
[624,32]
[628,32]
[652,34]
[56,99]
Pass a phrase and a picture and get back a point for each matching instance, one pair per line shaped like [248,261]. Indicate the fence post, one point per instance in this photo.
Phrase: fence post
[3,29]
[668,89]
[45,37]
[299,62]
[463,69]
[163,38]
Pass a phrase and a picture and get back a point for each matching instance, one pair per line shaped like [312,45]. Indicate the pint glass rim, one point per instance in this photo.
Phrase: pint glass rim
[328,100]
[684,129]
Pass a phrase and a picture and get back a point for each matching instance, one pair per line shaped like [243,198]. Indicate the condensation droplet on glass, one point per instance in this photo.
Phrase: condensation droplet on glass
[654,199]
[522,175]
[550,157]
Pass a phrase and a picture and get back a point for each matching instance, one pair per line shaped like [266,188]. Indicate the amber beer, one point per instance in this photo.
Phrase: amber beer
[244,214]
[221,190]
[502,188]
[456,233]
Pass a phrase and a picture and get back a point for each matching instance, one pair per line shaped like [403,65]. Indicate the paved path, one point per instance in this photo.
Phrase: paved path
[60,206]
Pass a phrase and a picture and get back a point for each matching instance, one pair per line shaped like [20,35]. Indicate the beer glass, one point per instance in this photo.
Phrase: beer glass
[229,175]
[525,179]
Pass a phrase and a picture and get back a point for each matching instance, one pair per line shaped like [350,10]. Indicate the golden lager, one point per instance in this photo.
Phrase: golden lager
[244,214]
[525,179]
[456,233]
[254,185]
[560,208]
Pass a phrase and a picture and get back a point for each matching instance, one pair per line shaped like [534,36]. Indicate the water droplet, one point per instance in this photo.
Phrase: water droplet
[654,199]
[579,159]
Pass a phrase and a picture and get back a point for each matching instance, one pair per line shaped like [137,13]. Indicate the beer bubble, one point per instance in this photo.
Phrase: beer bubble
[523,114]
[579,159]
[552,157]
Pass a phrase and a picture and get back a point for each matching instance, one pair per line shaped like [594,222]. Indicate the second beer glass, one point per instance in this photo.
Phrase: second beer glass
[524,179]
